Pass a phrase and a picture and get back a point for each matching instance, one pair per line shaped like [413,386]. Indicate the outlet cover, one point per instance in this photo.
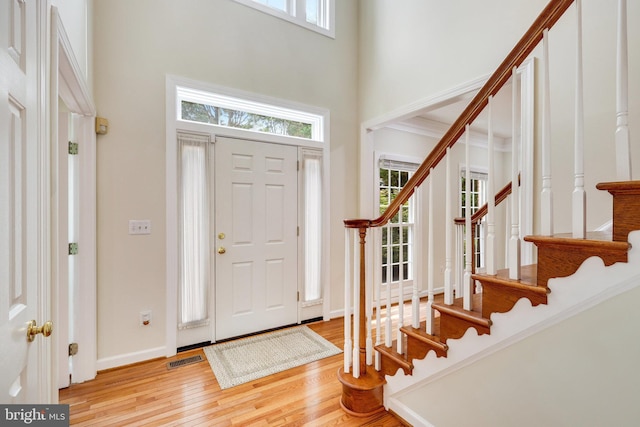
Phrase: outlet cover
[139,226]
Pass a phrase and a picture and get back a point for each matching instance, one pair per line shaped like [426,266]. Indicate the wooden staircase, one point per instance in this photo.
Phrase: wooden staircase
[558,256]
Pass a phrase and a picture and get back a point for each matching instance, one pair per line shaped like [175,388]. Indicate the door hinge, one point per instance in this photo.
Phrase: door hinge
[73,249]
[298,296]
[298,166]
[298,231]
[73,148]
[73,349]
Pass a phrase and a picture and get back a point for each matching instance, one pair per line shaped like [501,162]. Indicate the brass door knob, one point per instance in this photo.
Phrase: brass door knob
[33,329]
[221,250]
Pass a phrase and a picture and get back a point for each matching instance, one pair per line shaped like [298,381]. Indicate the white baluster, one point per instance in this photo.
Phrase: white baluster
[347,301]
[448,218]
[491,199]
[388,339]
[623,155]
[459,253]
[400,324]
[546,201]
[514,241]
[377,283]
[579,197]
[417,251]
[466,281]
[430,267]
[369,284]
[356,306]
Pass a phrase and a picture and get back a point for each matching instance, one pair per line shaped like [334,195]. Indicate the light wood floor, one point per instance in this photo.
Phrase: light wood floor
[148,394]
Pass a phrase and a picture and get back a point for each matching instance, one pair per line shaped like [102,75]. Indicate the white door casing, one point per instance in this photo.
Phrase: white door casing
[255,238]
[24,185]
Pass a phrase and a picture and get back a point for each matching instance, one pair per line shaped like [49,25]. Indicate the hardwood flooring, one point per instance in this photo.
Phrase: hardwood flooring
[149,394]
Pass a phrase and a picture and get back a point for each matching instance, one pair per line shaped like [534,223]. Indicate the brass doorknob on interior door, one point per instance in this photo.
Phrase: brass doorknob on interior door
[221,250]
[33,329]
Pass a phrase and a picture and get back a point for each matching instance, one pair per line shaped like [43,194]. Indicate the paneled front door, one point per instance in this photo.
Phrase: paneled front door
[255,236]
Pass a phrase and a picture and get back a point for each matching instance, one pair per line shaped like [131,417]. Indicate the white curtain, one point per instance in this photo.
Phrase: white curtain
[312,167]
[193,208]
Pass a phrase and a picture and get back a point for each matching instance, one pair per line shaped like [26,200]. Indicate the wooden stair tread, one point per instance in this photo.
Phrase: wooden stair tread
[457,310]
[595,240]
[629,187]
[527,282]
[393,354]
[420,334]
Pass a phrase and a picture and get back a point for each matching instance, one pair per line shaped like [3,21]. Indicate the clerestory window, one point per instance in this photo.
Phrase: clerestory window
[316,15]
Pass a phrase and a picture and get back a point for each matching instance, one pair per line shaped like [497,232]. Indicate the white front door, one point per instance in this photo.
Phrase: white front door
[255,238]
[25,377]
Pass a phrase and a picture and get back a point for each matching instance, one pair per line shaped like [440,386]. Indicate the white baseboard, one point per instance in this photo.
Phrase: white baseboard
[130,358]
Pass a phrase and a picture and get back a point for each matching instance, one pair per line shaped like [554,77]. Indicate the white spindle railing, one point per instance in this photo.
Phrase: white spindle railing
[546,201]
[348,343]
[388,339]
[431,278]
[513,259]
[579,201]
[415,255]
[377,282]
[369,285]
[467,284]
[490,249]
[448,227]
[622,138]
[356,308]
[400,322]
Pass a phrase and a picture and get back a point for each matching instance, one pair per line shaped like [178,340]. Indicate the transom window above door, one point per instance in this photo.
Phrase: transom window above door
[233,112]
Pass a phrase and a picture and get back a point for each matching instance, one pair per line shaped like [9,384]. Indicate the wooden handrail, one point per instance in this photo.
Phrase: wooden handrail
[480,213]
[547,18]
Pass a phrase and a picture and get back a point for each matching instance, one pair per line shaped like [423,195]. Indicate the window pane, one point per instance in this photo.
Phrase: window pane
[313,12]
[276,4]
[244,120]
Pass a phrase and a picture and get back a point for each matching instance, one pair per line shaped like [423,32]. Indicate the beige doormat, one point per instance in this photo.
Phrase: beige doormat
[243,360]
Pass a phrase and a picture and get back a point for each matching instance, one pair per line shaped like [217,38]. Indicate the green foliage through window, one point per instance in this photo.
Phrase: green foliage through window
[227,117]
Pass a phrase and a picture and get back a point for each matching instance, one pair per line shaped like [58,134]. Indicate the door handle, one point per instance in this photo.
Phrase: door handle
[221,250]
[33,329]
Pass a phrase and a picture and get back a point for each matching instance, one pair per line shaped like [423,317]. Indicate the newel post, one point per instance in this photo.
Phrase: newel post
[361,388]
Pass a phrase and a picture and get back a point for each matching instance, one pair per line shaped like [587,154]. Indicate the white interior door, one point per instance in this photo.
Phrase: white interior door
[23,220]
[255,236]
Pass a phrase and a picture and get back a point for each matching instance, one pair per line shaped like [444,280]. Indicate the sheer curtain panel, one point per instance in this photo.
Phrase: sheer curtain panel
[194,205]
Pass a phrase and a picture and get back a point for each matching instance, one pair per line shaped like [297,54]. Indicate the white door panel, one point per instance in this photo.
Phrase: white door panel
[256,224]
[22,194]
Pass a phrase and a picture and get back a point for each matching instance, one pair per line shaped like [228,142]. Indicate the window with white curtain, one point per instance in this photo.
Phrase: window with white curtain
[312,224]
[194,205]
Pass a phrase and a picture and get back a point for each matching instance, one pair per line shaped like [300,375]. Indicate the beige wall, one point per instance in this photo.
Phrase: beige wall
[216,41]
